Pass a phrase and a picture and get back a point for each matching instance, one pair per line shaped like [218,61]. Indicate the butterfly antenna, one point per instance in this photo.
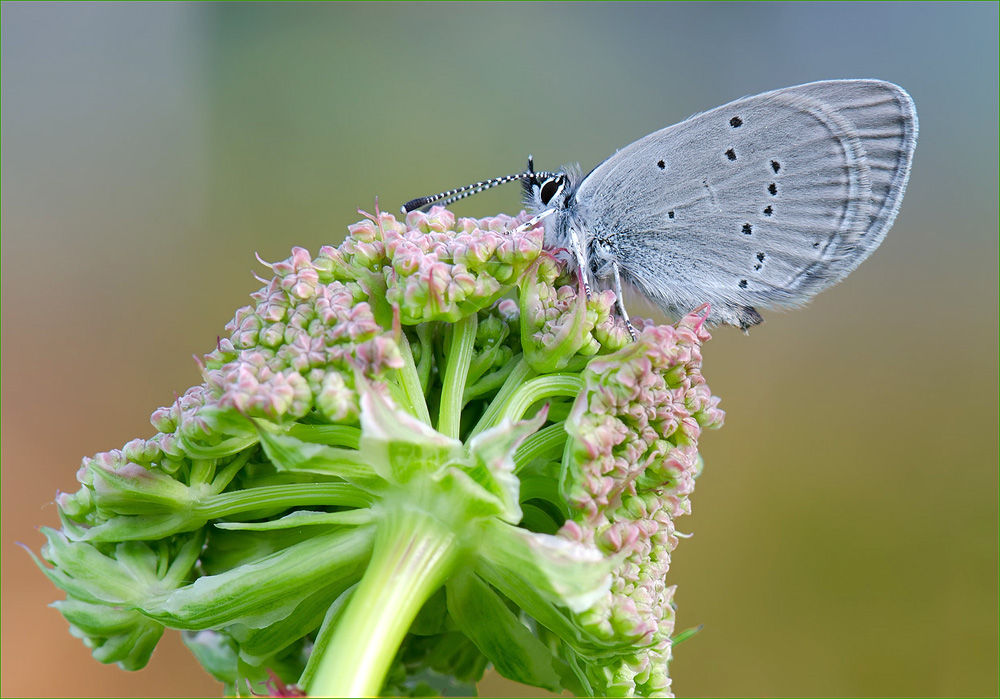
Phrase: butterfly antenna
[453,195]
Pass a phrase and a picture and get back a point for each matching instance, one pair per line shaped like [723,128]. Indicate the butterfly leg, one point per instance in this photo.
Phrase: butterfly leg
[620,301]
[581,260]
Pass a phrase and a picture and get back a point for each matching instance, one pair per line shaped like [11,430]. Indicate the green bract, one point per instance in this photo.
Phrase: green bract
[417,454]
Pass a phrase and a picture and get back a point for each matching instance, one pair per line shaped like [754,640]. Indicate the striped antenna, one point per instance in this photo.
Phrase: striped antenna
[453,195]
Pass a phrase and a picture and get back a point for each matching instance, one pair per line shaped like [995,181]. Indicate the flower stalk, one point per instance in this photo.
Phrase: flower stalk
[413,556]
[463,337]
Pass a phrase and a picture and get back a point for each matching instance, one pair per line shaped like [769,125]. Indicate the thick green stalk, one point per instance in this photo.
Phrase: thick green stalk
[463,338]
[414,555]
[410,381]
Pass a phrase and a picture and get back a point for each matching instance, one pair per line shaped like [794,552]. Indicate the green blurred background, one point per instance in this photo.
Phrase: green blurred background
[845,527]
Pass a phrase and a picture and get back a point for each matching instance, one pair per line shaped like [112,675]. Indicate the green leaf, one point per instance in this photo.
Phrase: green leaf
[227,549]
[131,489]
[685,635]
[140,527]
[229,432]
[446,665]
[302,518]
[248,503]
[491,463]
[398,446]
[265,591]
[290,454]
[565,572]
[432,618]
[327,630]
[114,635]
[131,576]
[217,652]
[257,645]
[331,435]
[582,646]
[482,616]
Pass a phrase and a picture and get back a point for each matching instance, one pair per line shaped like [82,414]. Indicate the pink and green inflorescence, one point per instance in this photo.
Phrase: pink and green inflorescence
[417,455]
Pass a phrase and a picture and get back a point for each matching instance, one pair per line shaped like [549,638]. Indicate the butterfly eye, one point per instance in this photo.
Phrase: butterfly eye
[551,188]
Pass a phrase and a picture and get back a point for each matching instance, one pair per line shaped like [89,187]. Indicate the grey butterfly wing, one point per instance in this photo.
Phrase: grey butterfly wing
[761,202]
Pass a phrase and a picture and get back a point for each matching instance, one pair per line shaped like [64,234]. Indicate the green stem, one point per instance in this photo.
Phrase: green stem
[424,332]
[228,473]
[331,435]
[490,382]
[410,381]
[546,442]
[194,515]
[414,555]
[463,339]
[226,447]
[281,496]
[202,471]
[521,372]
[540,388]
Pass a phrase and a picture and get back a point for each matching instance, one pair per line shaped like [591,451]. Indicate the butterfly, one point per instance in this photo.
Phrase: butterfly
[759,203]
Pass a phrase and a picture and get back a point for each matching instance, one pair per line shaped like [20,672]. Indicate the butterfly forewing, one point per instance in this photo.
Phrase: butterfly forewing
[763,201]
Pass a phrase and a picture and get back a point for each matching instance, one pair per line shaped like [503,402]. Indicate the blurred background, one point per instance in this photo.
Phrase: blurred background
[845,527]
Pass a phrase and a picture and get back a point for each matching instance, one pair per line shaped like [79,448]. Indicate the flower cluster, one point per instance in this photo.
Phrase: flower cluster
[298,347]
[635,458]
[435,267]
[417,454]
[557,314]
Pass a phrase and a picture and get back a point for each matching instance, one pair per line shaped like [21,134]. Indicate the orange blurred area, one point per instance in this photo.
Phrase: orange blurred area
[845,526]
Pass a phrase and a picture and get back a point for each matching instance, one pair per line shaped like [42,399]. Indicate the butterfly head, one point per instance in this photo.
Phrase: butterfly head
[548,190]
